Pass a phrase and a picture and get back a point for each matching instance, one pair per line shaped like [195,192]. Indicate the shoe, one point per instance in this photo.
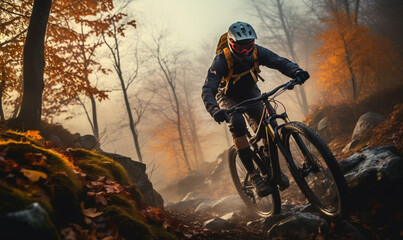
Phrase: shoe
[284,182]
[261,187]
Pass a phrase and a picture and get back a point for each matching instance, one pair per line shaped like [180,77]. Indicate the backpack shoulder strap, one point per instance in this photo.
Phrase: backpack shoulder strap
[230,65]
[230,62]
[256,66]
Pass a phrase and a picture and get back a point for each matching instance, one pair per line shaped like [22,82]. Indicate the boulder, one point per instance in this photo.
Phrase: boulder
[29,223]
[88,142]
[366,121]
[374,166]
[299,226]
[138,175]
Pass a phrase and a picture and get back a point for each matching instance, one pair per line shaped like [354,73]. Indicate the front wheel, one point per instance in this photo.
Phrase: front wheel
[261,206]
[315,169]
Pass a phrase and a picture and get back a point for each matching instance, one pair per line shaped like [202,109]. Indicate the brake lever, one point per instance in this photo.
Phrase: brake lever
[290,85]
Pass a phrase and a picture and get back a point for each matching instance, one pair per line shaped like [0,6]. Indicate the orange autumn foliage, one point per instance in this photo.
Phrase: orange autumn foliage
[350,52]
[168,147]
[73,35]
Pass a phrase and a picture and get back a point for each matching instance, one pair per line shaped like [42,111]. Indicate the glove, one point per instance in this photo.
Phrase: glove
[221,115]
[301,76]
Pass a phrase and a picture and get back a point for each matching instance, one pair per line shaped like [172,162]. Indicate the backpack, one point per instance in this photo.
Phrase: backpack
[223,46]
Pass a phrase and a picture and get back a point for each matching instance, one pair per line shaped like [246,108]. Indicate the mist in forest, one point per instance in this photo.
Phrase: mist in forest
[166,49]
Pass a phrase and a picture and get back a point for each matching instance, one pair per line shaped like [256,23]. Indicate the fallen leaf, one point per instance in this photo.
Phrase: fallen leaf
[33,134]
[100,198]
[37,159]
[112,189]
[91,212]
[8,165]
[33,175]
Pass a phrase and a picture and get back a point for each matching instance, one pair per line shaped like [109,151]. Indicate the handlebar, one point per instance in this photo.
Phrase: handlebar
[240,107]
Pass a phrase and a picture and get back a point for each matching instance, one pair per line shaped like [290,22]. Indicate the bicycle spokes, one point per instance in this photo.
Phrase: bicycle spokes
[312,168]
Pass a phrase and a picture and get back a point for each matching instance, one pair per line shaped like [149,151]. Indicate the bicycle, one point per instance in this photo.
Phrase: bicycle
[308,158]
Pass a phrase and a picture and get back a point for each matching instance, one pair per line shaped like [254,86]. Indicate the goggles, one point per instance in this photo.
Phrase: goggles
[242,48]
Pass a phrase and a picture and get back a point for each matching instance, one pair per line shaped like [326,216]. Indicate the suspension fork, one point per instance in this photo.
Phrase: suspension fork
[271,125]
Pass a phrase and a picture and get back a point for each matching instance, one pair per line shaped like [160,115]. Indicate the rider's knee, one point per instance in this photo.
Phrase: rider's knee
[237,125]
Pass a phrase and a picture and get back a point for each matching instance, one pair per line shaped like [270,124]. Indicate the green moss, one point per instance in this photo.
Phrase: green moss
[127,206]
[65,189]
[20,137]
[123,202]
[14,199]
[159,233]
[130,226]
[95,165]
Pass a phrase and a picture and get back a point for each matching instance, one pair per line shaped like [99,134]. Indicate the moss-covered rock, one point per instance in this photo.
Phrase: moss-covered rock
[62,185]
[66,185]
[95,165]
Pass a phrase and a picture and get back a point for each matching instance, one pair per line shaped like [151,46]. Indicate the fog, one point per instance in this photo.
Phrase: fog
[193,29]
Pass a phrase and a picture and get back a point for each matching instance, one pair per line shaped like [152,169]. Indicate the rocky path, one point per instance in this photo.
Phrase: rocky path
[374,177]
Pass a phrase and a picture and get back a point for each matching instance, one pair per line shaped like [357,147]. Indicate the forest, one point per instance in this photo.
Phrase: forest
[95,95]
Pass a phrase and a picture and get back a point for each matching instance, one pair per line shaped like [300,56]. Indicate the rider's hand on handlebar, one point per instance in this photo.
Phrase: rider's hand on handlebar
[301,76]
[221,115]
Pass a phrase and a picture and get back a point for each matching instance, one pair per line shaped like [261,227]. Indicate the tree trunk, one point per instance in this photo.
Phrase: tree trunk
[94,117]
[301,91]
[350,68]
[132,125]
[2,85]
[178,124]
[34,64]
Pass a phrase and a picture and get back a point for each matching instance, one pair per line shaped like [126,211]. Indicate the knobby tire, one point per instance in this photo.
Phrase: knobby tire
[268,205]
[336,193]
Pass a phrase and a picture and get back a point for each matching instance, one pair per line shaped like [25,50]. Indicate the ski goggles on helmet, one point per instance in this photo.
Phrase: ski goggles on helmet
[241,48]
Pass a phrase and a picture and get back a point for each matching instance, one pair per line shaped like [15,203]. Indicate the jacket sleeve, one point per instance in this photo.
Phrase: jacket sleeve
[272,60]
[215,73]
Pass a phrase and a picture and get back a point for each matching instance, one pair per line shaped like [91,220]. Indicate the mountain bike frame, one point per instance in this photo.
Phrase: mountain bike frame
[272,136]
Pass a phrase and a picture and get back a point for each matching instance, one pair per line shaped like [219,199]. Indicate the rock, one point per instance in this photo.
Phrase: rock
[267,223]
[88,142]
[350,145]
[228,204]
[56,141]
[322,125]
[195,195]
[205,205]
[232,217]
[367,120]
[348,231]
[188,205]
[373,166]
[138,175]
[30,223]
[217,224]
[299,226]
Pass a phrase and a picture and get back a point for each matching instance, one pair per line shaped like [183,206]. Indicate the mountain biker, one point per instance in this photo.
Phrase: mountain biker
[219,93]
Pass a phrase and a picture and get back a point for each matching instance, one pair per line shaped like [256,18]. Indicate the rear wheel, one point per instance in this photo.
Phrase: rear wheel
[315,169]
[261,206]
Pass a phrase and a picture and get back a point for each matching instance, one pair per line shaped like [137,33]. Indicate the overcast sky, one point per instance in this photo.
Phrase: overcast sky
[191,21]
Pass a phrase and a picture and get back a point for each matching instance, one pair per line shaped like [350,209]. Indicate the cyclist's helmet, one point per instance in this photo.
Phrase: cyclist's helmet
[241,40]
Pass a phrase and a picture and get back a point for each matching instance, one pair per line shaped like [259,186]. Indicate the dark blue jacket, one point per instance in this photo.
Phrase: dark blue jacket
[219,70]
